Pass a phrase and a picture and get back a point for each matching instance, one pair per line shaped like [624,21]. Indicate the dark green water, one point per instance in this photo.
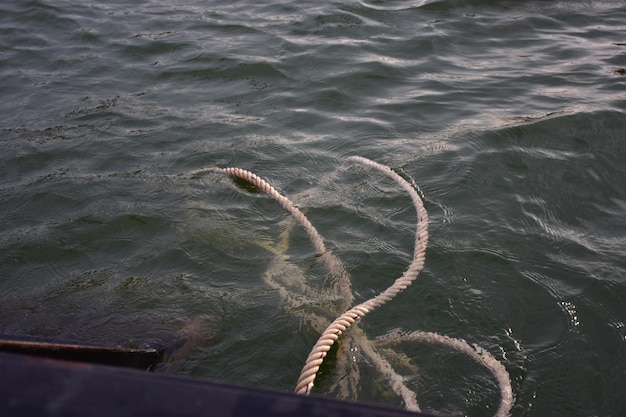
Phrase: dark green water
[509,115]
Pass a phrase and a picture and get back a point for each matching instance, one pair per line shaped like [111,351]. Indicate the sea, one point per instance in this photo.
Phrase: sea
[507,116]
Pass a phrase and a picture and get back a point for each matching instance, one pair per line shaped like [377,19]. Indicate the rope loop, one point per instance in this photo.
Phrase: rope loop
[307,376]
[342,323]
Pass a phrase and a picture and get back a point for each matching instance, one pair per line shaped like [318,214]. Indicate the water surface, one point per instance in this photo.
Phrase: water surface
[508,115]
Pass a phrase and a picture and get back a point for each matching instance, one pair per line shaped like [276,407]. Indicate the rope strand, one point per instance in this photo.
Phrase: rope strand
[478,354]
[346,320]
[284,202]
[342,323]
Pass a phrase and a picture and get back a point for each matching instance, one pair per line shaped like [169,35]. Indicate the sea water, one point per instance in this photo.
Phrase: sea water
[508,116]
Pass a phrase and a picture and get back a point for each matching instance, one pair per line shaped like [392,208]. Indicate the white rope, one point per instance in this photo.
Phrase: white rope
[285,203]
[477,353]
[343,322]
[396,380]
[332,263]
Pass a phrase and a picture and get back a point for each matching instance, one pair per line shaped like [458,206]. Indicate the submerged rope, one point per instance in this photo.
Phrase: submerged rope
[343,322]
[478,354]
[346,320]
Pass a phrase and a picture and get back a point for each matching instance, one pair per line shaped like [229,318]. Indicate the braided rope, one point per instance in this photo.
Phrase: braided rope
[478,354]
[346,320]
[333,264]
[285,203]
[343,322]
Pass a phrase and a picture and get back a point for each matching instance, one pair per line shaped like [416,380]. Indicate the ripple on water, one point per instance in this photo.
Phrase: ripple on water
[186,52]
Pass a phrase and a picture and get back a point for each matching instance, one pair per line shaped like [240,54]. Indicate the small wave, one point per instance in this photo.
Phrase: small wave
[186,52]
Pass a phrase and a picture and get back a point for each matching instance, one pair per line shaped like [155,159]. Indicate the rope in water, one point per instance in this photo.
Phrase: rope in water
[478,354]
[285,203]
[342,323]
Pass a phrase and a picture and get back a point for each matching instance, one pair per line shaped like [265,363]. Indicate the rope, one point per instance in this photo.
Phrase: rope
[343,322]
[284,202]
[333,264]
[346,320]
[477,353]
